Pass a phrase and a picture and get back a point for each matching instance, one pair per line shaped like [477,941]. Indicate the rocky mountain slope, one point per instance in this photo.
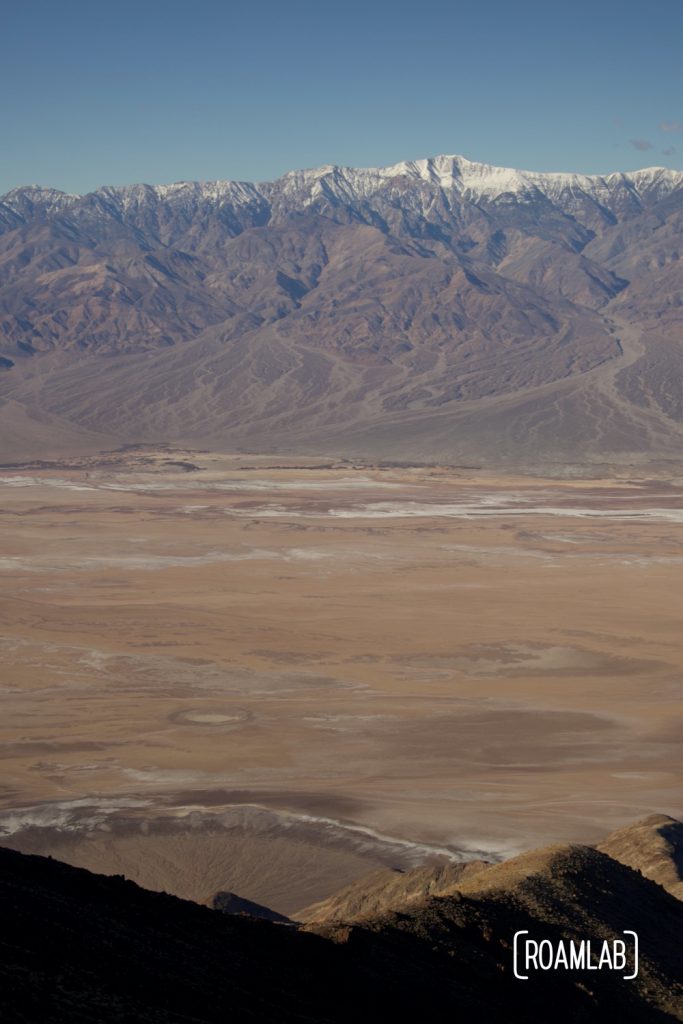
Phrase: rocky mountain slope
[386,890]
[654,847]
[429,309]
[78,946]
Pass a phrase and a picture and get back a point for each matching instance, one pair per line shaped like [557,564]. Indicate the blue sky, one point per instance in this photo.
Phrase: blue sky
[101,93]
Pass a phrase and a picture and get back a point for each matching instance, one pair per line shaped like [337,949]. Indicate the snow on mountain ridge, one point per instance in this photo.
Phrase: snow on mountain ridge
[465,175]
[48,199]
[470,179]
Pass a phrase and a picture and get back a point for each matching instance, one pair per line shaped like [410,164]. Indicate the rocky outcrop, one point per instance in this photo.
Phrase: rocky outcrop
[231,903]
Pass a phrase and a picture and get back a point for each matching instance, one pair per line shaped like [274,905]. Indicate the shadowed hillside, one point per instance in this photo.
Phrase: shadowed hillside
[78,946]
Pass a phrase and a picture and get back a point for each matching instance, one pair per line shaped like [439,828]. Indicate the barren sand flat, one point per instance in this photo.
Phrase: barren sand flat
[211,660]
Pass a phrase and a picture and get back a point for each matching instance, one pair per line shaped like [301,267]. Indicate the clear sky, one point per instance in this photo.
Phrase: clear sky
[117,92]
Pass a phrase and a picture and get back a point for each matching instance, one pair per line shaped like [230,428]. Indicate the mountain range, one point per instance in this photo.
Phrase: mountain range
[434,310]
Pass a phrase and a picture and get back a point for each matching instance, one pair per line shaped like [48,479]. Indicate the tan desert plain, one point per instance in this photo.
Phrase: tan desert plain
[273,676]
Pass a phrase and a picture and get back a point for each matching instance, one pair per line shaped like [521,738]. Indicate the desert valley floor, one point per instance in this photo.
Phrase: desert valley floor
[242,673]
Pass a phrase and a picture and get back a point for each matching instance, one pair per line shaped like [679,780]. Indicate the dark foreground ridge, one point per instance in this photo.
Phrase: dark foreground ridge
[83,947]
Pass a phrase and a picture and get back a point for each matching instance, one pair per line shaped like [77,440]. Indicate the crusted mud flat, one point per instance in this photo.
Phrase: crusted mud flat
[213,663]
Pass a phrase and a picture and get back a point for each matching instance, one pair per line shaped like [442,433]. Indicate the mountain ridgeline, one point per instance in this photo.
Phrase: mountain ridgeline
[429,945]
[435,310]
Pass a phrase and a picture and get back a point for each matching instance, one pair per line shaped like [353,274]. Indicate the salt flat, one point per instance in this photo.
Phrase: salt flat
[214,663]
